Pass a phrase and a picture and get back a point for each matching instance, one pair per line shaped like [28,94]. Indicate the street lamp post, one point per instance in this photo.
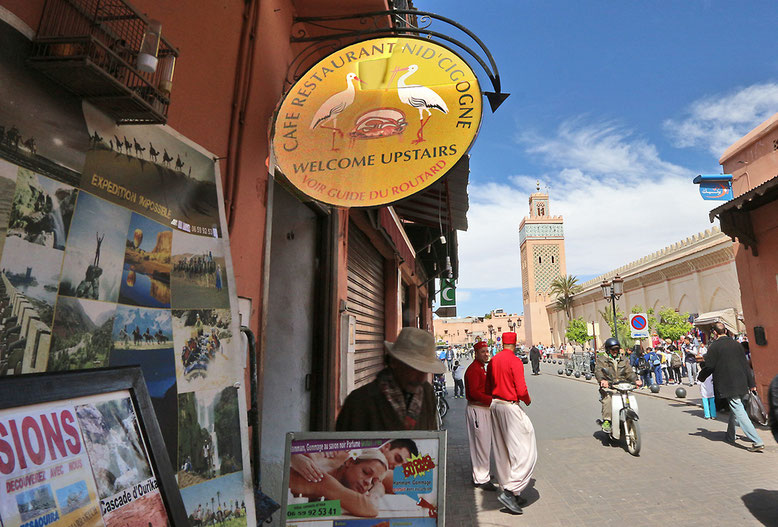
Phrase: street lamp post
[612,291]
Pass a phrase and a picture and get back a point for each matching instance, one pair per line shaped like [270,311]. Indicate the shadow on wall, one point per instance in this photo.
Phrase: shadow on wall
[763,504]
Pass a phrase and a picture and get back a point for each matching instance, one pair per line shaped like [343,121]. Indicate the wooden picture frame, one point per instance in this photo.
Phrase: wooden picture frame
[52,424]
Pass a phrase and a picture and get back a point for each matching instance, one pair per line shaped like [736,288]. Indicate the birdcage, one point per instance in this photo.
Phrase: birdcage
[98,49]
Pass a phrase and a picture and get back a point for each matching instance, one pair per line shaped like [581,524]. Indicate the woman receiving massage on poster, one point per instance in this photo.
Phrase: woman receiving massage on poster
[313,466]
[350,481]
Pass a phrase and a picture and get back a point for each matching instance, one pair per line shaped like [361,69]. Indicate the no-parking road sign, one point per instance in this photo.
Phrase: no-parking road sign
[638,325]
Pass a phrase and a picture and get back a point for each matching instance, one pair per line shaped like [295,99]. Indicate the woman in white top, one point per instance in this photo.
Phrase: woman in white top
[706,392]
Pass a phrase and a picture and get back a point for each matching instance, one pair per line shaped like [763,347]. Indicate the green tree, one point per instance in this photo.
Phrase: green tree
[576,331]
[623,326]
[671,324]
[565,288]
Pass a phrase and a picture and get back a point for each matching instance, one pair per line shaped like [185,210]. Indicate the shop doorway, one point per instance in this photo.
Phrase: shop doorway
[290,369]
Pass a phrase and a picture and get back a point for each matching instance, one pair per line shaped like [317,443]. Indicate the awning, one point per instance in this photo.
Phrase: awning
[444,203]
[727,316]
[735,218]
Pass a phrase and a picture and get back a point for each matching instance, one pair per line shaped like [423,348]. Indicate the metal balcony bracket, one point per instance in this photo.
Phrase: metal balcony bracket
[329,33]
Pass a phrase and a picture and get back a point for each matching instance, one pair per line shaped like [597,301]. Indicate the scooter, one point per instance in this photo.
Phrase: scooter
[625,405]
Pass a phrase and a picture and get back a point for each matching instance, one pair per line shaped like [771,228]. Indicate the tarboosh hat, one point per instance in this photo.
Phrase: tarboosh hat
[416,348]
[480,344]
[509,338]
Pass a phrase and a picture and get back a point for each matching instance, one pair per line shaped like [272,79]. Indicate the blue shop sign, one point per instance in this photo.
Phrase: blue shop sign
[715,187]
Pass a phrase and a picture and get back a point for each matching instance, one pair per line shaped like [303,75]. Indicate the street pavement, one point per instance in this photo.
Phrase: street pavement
[685,475]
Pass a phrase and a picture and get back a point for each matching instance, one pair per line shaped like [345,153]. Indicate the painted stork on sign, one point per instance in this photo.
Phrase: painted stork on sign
[421,98]
[334,106]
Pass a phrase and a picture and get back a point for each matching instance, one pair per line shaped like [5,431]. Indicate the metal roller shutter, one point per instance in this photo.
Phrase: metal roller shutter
[366,303]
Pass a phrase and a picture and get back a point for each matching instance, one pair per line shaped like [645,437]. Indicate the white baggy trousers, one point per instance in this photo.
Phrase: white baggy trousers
[479,432]
[513,440]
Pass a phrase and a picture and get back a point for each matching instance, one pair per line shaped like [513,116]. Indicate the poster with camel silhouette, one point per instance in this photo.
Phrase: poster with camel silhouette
[113,252]
[42,126]
[145,169]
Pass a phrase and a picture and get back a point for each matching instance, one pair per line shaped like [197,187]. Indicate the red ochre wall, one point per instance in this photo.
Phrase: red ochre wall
[758,277]
[207,35]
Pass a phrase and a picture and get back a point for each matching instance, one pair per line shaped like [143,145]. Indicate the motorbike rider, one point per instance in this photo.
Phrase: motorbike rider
[616,368]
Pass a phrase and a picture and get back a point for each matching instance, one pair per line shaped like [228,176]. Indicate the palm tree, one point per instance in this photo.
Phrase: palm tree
[565,288]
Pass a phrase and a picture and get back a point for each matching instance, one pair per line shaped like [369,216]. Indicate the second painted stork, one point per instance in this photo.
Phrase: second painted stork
[421,98]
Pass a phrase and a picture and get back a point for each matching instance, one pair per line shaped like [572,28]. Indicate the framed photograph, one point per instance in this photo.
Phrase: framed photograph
[84,448]
[364,479]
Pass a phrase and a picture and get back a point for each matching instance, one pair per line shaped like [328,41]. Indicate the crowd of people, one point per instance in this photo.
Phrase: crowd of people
[401,398]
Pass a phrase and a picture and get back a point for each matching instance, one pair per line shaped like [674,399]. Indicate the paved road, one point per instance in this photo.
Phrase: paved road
[685,473]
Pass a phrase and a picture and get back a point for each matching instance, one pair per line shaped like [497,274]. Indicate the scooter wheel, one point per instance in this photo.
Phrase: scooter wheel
[632,436]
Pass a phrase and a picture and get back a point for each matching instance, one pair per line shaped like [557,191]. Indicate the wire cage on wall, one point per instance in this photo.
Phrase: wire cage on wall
[92,47]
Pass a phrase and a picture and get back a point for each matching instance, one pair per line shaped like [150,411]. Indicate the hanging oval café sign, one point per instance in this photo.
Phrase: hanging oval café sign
[377,121]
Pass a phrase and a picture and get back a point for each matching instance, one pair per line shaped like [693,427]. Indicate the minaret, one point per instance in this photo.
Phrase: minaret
[542,249]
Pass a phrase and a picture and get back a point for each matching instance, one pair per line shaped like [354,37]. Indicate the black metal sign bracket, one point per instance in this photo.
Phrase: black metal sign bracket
[334,32]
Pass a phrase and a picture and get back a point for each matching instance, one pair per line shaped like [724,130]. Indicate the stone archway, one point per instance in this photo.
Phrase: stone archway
[684,304]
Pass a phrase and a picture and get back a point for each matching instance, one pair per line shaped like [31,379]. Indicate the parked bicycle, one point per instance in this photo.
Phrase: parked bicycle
[439,387]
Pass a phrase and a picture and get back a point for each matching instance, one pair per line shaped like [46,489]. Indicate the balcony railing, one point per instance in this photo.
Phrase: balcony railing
[91,48]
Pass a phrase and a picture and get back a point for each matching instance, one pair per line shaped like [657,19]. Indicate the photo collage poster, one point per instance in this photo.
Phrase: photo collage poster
[113,252]
[82,463]
[363,482]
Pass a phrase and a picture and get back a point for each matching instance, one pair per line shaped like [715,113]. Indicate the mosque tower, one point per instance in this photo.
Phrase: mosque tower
[542,248]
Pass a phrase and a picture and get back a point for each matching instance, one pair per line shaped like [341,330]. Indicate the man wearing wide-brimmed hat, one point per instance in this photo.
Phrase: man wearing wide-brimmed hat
[400,398]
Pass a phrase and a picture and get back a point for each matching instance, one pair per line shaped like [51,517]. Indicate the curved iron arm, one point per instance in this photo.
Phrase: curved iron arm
[495,98]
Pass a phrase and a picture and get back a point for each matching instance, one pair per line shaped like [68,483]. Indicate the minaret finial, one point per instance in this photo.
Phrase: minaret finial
[538,185]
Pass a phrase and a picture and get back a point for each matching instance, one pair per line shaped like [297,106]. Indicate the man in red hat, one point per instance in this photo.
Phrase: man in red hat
[479,418]
[513,436]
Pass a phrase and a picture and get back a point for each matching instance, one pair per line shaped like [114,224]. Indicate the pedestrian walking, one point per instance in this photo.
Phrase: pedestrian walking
[708,398]
[690,359]
[675,365]
[733,379]
[534,357]
[656,365]
[479,417]
[458,372]
[513,436]
[399,398]
[450,358]
[641,364]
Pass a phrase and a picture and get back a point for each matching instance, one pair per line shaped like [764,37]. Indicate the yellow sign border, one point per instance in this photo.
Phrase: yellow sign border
[331,164]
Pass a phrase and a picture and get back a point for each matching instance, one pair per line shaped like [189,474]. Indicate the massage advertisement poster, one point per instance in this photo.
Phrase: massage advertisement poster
[83,463]
[363,479]
[113,252]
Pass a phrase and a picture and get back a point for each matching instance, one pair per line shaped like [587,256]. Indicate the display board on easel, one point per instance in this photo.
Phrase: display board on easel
[114,252]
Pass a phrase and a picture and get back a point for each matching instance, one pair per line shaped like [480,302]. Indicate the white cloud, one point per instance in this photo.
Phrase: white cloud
[626,206]
[714,123]
[604,149]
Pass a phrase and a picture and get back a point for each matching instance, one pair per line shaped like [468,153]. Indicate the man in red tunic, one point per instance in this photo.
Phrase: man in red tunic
[479,418]
[513,436]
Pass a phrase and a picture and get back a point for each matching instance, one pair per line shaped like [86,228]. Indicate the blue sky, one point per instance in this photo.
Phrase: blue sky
[615,106]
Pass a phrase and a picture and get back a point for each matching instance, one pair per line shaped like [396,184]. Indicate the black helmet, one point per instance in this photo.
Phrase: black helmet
[610,343]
